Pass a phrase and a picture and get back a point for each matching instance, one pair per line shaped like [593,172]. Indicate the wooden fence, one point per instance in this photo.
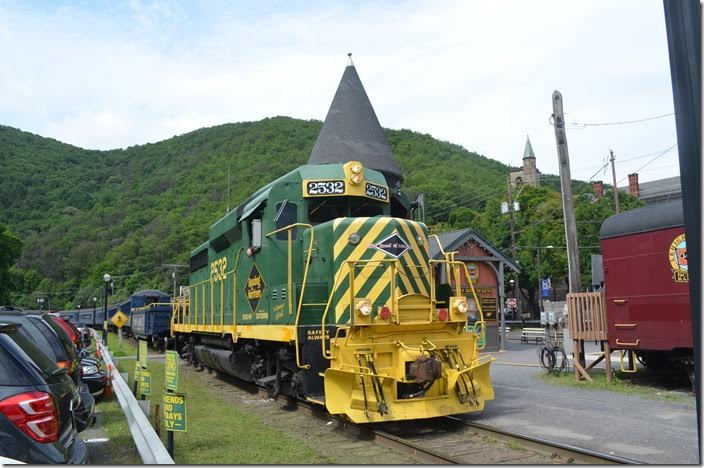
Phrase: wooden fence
[587,316]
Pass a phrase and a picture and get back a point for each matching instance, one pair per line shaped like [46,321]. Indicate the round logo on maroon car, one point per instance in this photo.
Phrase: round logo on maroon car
[678,259]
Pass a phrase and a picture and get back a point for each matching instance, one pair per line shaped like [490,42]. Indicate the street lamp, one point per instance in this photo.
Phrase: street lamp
[95,299]
[106,278]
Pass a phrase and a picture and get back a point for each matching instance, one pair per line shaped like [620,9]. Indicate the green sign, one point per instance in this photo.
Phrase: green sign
[144,384]
[171,370]
[143,353]
[105,325]
[175,412]
[137,370]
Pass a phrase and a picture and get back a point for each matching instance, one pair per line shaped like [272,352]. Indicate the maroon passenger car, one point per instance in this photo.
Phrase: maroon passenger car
[647,285]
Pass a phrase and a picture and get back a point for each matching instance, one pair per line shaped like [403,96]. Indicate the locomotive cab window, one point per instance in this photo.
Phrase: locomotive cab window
[365,207]
[320,211]
[286,214]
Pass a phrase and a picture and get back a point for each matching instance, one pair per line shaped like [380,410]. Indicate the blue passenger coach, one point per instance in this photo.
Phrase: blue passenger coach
[151,317]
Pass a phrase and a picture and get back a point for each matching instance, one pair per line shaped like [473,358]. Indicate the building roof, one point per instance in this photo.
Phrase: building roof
[351,131]
[658,190]
[528,151]
[453,240]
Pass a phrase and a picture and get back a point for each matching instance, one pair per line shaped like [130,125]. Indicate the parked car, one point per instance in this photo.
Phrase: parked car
[37,400]
[93,375]
[70,330]
[50,337]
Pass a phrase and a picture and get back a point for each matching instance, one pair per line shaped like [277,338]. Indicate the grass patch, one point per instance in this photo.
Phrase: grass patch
[621,383]
[513,445]
[220,433]
[121,448]
[128,346]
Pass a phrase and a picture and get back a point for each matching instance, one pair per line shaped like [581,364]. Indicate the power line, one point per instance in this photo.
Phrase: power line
[652,160]
[471,200]
[467,197]
[581,126]
[599,124]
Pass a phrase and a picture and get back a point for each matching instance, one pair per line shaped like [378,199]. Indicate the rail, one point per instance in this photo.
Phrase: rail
[149,446]
[576,454]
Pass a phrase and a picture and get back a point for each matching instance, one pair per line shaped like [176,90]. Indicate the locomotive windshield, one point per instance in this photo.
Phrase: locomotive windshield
[322,210]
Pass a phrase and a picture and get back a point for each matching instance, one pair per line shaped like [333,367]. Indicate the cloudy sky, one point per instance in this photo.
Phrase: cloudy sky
[107,74]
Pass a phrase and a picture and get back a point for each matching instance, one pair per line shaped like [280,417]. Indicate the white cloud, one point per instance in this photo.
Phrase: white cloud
[476,73]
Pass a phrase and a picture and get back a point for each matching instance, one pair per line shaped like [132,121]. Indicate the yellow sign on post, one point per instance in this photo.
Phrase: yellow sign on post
[171,371]
[143,353]
[144,386]
[119,319]
[175,412]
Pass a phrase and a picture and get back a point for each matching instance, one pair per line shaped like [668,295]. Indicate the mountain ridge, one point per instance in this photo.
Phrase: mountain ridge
[127,211]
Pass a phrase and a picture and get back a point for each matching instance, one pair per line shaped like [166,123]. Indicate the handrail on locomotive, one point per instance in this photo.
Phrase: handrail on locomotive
[391,266]
[290,278]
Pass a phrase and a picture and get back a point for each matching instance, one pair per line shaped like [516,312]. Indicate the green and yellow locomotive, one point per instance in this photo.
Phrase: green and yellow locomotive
[319,285]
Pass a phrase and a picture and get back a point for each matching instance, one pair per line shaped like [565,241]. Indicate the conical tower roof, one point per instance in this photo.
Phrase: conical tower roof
[528,152]
[351,131]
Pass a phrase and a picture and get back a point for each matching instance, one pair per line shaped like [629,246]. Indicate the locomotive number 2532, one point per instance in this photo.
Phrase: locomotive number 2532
[376,191]
[326,187]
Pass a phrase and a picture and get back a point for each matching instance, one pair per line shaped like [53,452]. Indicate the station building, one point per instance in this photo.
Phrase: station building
[486,265]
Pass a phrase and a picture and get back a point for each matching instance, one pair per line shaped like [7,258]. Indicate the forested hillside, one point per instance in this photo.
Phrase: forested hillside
[81,213]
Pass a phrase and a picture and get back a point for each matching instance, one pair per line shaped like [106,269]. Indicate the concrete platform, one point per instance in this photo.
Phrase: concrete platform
[630,426]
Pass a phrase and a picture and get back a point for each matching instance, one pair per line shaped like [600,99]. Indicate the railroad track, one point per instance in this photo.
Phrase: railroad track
[451,440]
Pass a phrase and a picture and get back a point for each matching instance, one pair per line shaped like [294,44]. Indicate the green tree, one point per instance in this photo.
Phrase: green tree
[10,249]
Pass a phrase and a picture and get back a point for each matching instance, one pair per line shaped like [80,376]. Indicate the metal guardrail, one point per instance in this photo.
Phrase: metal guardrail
[149,445]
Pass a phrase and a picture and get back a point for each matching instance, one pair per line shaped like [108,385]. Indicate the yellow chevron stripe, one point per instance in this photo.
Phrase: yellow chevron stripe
[342,241]
[356,254]
[360,281]
[419,230]
[414,246]
[380,285]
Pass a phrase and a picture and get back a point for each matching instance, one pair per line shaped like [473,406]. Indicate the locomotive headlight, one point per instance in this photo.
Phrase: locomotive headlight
[461,306]
[353,238]
[356,178]
[356,168]
[364,307]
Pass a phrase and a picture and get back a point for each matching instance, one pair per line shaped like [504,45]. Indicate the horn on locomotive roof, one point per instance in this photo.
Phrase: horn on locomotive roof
[351,131]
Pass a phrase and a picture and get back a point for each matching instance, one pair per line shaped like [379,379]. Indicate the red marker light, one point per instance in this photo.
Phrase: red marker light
[385,313]
[442,314]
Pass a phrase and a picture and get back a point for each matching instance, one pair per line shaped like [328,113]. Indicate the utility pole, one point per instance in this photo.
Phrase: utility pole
[510,220]
[513,237]
[613,174]
[175,266]
[566,186]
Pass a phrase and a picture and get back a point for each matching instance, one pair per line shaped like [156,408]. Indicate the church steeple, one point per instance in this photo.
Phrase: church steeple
[351,131]
[528,152]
